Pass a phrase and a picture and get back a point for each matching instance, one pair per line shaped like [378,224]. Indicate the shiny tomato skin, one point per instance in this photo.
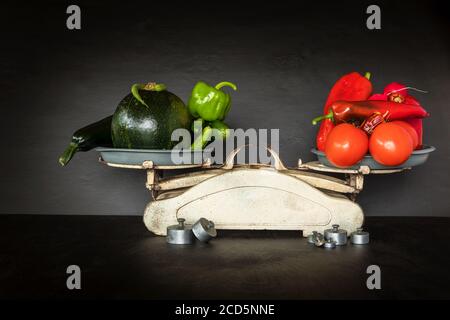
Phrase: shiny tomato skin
[411,131]
[346,145]
[390,144]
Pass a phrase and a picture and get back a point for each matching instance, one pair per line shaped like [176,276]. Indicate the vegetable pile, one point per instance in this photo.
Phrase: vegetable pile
[388,125]
[146,118]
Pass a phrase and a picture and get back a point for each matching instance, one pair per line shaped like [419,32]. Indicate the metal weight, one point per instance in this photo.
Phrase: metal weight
[319,240]
[329,244]
[360,236]
[337,235]
[204,230]
[311,237]
[180,233]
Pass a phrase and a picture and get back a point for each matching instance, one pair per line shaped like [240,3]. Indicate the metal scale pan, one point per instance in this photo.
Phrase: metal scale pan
[417,158]
[134,158]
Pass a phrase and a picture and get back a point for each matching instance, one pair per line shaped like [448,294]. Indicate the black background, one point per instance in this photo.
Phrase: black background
[283,57]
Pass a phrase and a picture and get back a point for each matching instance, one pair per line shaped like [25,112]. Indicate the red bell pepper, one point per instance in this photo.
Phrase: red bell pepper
[416,123]
[397,92]
[350,87]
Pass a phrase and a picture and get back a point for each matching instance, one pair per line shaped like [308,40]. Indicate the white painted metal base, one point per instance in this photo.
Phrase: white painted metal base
[255,199]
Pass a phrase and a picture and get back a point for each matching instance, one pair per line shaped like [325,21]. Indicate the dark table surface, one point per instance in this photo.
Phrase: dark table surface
[119,258]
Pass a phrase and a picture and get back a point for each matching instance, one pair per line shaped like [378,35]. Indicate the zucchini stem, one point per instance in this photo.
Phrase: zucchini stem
[68,154]
[135,92]
[151,86]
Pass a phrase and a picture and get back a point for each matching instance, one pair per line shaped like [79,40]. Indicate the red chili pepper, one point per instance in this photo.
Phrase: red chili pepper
[372,122]
[346,111]
[350,87]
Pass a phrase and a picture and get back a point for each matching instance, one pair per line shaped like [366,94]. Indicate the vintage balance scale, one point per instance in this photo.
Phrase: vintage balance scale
[252,196]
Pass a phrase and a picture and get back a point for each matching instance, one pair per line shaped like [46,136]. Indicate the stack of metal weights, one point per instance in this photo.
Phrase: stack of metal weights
[337,237]
[181,233]
[204,230]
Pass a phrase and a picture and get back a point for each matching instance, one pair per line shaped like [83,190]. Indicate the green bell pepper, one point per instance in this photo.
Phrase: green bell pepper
[203,138]
[222,128]
[210,103]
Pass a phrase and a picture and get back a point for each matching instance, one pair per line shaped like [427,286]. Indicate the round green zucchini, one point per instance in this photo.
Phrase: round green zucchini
[145,119]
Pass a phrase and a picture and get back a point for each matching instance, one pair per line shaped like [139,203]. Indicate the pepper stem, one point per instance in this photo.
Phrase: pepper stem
[227,84]
[367,75]
[151,86]
[68,154]
[329,115]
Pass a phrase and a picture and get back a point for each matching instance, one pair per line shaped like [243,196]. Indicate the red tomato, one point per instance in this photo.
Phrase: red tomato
[390,144]
[346,145]
[412,132]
